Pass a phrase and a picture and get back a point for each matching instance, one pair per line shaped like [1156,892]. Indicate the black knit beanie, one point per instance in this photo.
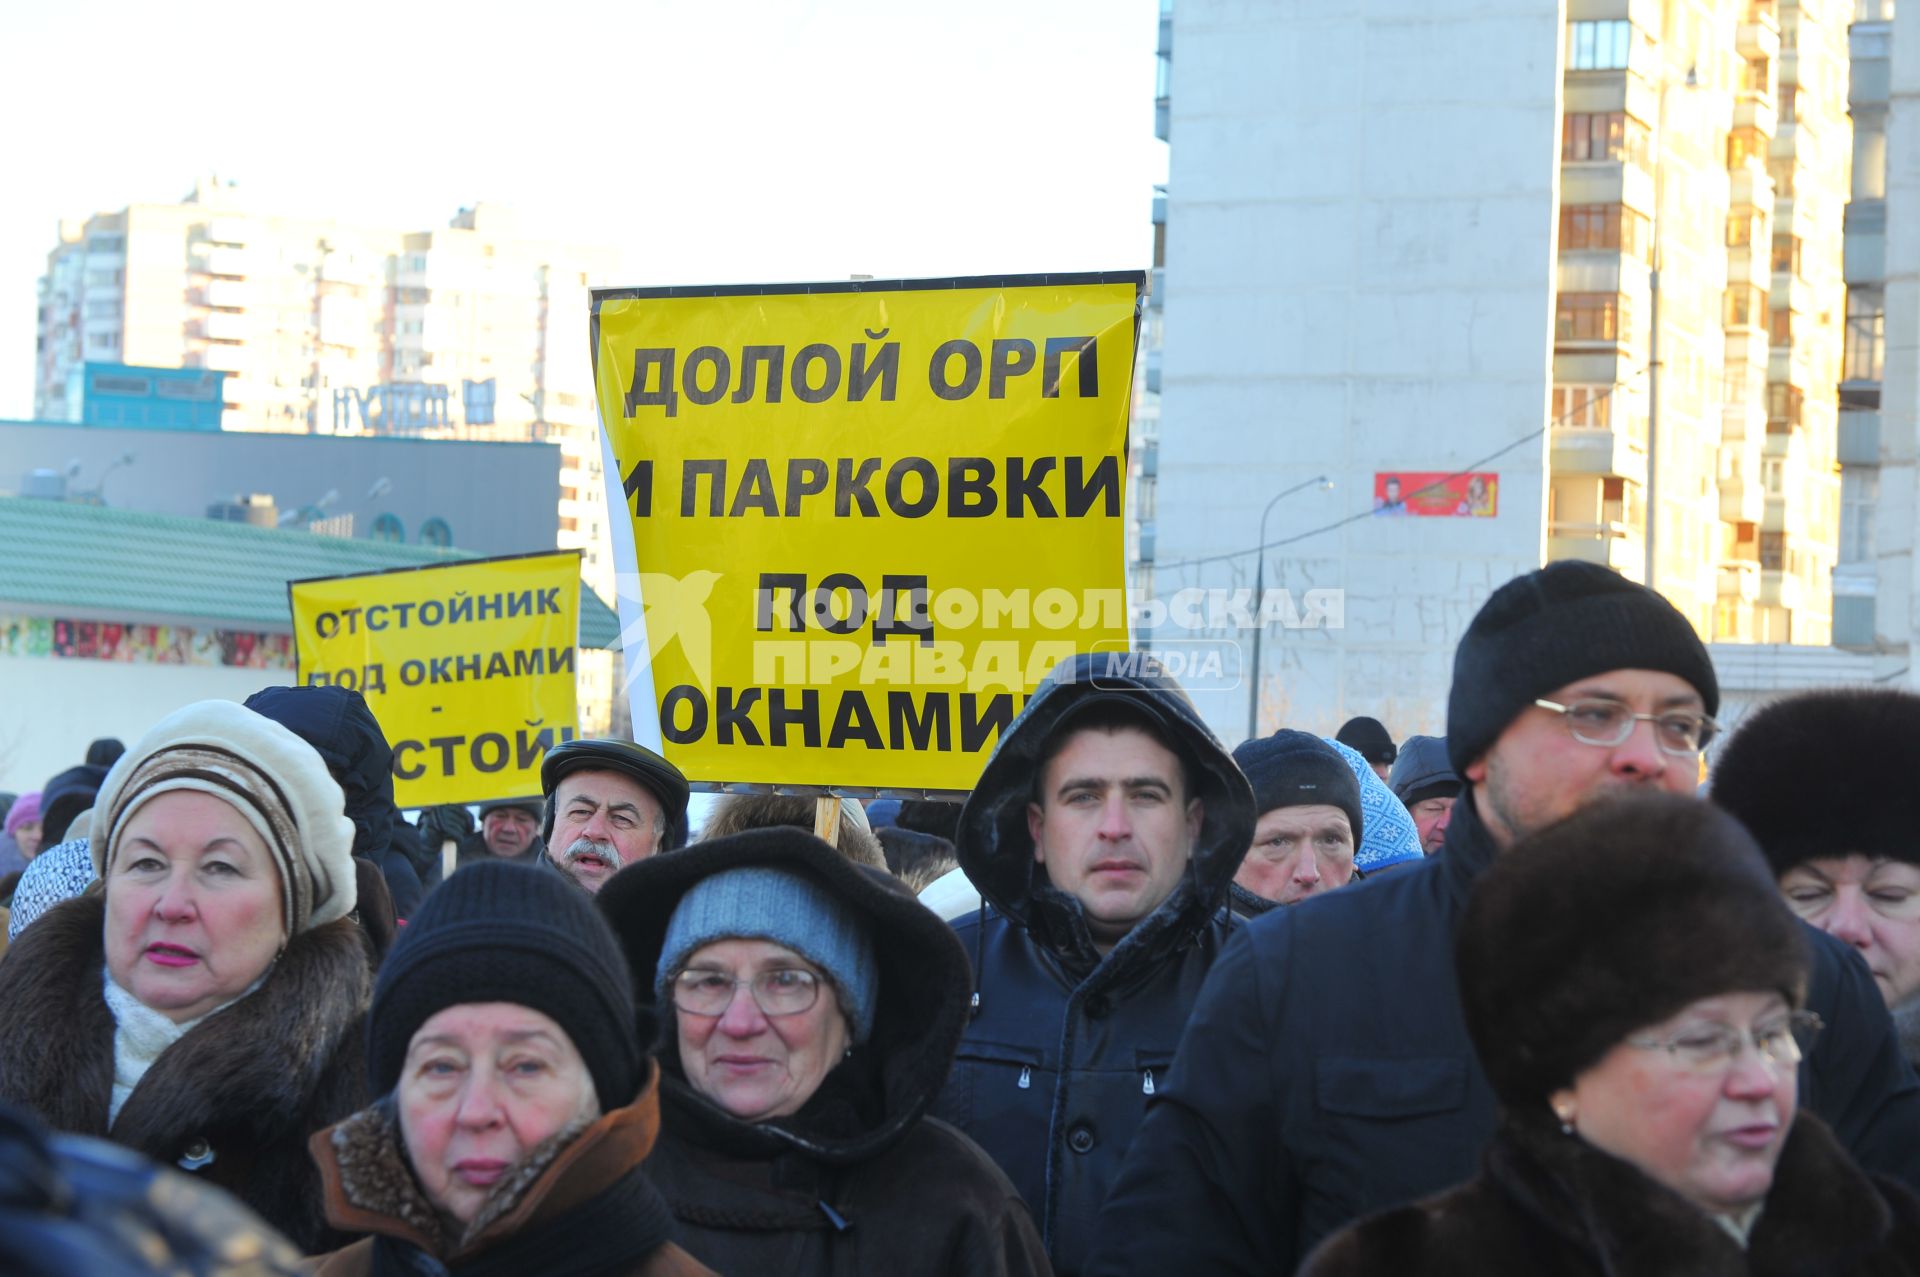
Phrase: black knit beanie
[1369,738]
[1567,621]
[499,932]
[1616,918]
[1298,769]
[1826,773]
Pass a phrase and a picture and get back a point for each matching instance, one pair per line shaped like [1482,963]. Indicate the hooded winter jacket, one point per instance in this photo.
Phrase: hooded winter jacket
[859,1180]
[1327,1073]
[1065,1047]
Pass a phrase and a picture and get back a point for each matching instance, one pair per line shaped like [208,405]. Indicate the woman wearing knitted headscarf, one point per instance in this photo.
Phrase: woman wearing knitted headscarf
[516,1099]
[1633,986]
[205,1005]
[811,1009]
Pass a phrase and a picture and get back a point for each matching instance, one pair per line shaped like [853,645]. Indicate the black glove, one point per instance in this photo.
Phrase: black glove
[437,824]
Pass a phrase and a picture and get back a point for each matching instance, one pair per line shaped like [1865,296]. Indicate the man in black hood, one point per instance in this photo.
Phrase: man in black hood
[1103,833]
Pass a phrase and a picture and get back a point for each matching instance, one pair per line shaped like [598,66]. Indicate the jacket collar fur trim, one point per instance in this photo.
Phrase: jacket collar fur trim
[1822,1215]
[371,1188]
[252,1068]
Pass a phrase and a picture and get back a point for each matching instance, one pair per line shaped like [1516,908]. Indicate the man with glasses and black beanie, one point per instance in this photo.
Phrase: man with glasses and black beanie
[1326,1072]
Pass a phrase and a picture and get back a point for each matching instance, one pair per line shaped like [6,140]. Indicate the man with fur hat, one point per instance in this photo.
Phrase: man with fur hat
[1849,863]
[609,803]
[1326,1071]
[1103,834]
[1309,824]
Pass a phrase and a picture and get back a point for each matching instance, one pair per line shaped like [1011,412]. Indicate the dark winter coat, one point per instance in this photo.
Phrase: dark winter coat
[578,1204]
[235,1099]
[1327,1073]
[1066,1047]
[1552,1205]
[859,1181]
[343,731]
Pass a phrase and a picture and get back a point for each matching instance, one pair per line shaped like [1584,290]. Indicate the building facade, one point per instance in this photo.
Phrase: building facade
[475,330]
[1374,263]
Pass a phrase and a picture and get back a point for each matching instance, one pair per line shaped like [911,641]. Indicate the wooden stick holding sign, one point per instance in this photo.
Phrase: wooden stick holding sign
[826,819]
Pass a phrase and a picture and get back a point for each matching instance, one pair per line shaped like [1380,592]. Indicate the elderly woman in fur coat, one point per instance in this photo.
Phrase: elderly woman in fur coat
[205,1006]
[1633,984]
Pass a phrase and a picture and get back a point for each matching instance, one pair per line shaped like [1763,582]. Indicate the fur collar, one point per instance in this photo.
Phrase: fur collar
[250,1071]
[371,1187]
[1822,1215]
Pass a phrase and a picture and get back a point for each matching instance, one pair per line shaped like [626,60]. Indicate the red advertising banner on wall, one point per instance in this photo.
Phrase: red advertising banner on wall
[1436,496]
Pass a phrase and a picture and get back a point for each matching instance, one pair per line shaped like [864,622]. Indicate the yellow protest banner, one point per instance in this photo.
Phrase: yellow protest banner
[867,518]
[469,666]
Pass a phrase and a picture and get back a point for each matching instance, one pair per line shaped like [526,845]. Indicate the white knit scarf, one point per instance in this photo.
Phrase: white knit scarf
[140,1034]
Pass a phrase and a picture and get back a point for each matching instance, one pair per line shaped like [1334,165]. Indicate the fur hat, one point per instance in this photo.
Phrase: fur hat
[498,932]
[1825,774]
[1611,920]
[277,781]
[1298,769]
[1567,621]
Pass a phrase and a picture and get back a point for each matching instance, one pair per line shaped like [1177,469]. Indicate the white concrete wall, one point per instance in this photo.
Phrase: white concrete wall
[51,709]
[1361,220]
[1897,614]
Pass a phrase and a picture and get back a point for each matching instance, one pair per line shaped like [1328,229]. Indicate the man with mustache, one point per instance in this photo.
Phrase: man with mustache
[608,804]
[1326,1072]
[1102,835]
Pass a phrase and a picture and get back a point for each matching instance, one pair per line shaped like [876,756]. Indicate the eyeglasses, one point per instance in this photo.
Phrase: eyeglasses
[1607,723]
[1712,1048]
[781,991]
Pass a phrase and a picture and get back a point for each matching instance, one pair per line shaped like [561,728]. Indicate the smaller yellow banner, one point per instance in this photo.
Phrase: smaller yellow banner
[469,667]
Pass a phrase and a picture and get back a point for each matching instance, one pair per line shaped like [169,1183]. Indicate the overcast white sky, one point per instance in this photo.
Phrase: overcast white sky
[714,140]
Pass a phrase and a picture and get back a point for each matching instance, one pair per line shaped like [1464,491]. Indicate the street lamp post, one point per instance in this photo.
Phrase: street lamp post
[1259,592]
[1653,326]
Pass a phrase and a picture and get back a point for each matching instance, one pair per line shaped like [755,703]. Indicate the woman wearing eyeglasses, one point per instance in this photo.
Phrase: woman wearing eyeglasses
[811,1009]
[1823,781]
[1633,984]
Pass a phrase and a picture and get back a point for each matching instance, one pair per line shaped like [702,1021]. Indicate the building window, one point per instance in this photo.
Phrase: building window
[107,244]
[1746,306]
[1773,551]
[436,532]
[1859,494]
[109,340]
[1745,144]
[1780,329]
[1603,135]
[1786,254]
[1744,225]
[1606,226]
[1772,475]
[1583,407]
[1784,403]
[389,528]
[1756,75]
[1781,171]
[1599,46]
[1590,317]
[1866,334]
[1789,93]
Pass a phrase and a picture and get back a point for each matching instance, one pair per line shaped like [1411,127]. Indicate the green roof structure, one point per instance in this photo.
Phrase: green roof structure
[96,562]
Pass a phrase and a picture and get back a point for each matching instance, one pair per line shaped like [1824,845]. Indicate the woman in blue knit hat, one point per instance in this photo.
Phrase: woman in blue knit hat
[811,1009]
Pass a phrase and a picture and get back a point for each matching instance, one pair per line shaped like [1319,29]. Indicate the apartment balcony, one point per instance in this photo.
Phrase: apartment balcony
[1758,34]
[1749,264]
[1610,543]
[220,325]
[219,260]
[1756,111]
[1739,581]
[1749,185]
[1597,451]
[230,359]
[1742,501]
[1780,589]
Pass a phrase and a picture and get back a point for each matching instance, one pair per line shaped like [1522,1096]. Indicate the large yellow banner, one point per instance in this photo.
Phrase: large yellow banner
[469,666]
[867,518]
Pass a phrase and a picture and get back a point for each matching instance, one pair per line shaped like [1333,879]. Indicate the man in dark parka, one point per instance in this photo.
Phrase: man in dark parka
[1326,1071]
[1103,835]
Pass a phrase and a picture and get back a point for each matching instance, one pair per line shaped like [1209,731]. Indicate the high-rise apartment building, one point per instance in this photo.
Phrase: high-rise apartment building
[476,330]
[1558,281]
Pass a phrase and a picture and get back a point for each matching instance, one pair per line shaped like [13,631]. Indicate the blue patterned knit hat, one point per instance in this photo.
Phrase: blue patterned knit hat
[1390,835]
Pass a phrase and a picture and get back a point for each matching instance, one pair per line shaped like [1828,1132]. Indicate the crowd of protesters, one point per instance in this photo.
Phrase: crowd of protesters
[1546,994]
